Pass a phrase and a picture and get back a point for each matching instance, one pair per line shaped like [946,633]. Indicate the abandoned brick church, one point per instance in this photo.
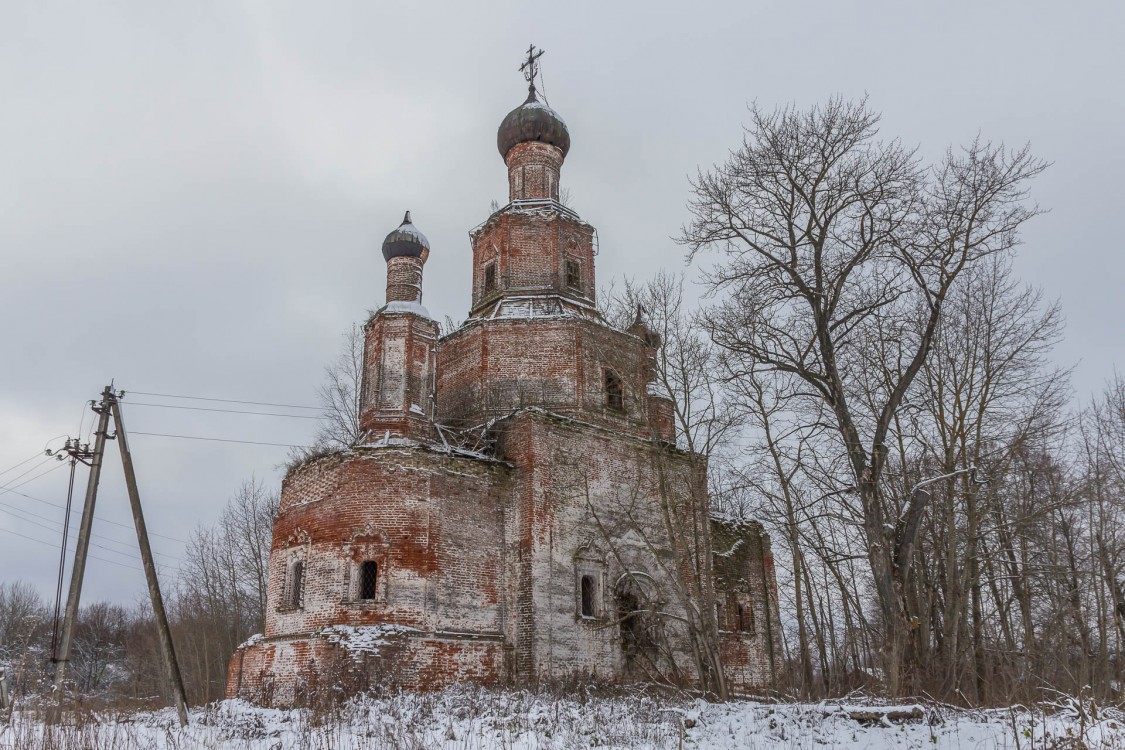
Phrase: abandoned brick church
[517,510]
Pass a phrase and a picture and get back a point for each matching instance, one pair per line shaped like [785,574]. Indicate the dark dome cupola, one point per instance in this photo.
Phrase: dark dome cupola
[533,140]
[406,241]
[532,121]
[405,250]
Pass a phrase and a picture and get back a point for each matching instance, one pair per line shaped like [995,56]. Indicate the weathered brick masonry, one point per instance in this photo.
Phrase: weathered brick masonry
[517,509]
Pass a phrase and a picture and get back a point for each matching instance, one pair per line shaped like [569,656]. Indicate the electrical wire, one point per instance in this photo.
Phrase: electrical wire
[62,556]
[103,520]
[12,487]
[52,544]
[56,531]
[224,400]
[224,411]
[82,421]
[21,463]
[111,540]
[39,465]
[217,440]
[543,85]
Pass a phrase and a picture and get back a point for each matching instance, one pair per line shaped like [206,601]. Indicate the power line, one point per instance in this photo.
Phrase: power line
[57,611]
[224,411]
[33,468]
[217,440]
[93,544]
[103,520]
[225,400]
[12,487]
[21,463]
[57,523]
[52,544]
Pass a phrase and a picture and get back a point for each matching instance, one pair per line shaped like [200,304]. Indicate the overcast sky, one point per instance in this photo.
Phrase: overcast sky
[192,195]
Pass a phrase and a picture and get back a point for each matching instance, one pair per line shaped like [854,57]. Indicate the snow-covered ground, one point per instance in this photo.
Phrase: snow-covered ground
[476,719]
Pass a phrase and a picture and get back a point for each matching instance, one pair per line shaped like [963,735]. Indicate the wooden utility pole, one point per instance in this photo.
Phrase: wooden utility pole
[110,406]
[79,569]
[167,650]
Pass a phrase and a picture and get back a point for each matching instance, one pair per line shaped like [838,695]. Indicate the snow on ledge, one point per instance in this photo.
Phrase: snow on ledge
[363,638]
[251,641]
[399,306]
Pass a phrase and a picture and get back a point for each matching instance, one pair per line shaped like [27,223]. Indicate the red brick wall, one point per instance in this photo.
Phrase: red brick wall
[530,247]
[289,671]
[399,358]
[404,279]
[488,369]
[533,171]
[423,516]
[590,501]
[744,575]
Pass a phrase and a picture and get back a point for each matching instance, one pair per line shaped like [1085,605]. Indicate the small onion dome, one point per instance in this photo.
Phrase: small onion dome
[641,329]
[406,241]
[532,121]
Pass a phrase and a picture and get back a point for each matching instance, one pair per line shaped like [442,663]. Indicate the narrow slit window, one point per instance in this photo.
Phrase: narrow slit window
[614,391]
[296,584]
[588,589]
[490,277]
[573,274]
[368,579]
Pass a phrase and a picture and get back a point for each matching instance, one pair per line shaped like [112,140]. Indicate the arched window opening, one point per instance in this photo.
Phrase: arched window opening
[745,618]
[627,606]
[368,579]
[296,583]
[589,586]
[639,630]
[573,275]
[614,391]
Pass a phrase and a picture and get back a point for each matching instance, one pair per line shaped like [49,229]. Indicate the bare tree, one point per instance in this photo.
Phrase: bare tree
[838,253]
[1103,456]
[687,371]
[687,367]
[221,597]
[985,392]
[24,636]
[99,644]
[21,607]
[340,394]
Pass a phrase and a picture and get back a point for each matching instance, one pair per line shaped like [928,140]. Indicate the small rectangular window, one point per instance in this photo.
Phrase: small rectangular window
[573,274]
[490,278]
[369,579]
[614,391]
[588,601]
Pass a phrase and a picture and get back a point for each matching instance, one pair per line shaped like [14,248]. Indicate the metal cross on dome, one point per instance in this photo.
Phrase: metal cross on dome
[531,67]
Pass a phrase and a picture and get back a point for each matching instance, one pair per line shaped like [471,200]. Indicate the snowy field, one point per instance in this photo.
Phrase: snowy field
[477,719]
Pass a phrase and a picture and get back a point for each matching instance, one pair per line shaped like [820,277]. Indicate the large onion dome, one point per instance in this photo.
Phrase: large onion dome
[406,241]
[532,121]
